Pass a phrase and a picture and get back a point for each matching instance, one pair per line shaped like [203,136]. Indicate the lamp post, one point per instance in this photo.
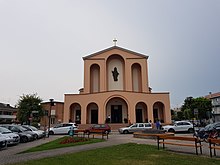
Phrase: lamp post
[49,115]
[29,114]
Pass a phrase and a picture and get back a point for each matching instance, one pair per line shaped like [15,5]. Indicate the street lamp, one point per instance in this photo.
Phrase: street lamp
[29,116]
[49,115]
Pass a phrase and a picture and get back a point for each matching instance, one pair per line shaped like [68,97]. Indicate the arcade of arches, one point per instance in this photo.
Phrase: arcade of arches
[116,111]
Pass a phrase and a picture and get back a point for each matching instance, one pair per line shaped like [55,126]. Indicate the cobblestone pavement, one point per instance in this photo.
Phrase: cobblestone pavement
[10,155]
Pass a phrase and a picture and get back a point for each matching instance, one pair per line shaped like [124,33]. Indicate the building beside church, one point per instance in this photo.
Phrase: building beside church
[215,99]
[7,113]
[116,90]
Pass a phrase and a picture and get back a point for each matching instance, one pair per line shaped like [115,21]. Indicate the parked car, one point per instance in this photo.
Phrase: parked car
[3,142]
[105,127]
[135,128]
[25,135]
[39,133]
[212,126]
[11,137]
[179,126]
[62,128]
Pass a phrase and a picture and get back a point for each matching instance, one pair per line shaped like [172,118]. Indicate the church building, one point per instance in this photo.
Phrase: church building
[116,90]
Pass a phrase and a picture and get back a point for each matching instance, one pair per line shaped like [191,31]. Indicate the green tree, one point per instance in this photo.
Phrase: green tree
[187,114]
[188,104]
[180,115]
[28,104]
[203,105]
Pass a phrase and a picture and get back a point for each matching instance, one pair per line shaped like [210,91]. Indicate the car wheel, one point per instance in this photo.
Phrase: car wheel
[190,130]
[125,132]
[106,132]
[171,130]
[24,139]
[51,133]
[35,136]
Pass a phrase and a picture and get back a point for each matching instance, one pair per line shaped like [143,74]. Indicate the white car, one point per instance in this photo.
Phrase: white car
[179,126]
[12,138]
[62,128]
[39,133]
[135,128]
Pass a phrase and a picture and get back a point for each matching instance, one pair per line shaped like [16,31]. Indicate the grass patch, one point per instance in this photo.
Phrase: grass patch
[63,142]
[124,154]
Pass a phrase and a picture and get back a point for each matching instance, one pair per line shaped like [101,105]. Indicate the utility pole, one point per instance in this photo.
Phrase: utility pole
[49,115]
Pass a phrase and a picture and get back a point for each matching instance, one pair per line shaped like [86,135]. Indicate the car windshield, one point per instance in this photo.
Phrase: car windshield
[22,128]
[33,128]
[4,130]
[57,126]
[209,127]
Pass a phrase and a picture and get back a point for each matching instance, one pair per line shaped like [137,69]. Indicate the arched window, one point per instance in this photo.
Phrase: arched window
[136,78]
[94,78]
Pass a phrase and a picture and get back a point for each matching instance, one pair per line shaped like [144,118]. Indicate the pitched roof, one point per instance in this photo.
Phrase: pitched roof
[115,47]
[6,107]
[213,95]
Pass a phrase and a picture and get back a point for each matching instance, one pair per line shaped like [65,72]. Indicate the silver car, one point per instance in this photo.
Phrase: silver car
[11,137]
[38,132]
[3,142]
[179,126]
[135,128]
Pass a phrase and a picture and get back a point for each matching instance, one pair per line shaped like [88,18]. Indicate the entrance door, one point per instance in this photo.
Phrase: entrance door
[155,115]
[139,118]
[78,117]
[94,116]
[116,114]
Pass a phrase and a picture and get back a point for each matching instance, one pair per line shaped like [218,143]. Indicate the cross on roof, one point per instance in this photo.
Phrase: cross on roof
[115,40]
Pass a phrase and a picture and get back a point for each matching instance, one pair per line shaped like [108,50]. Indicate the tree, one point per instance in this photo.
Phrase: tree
[203,105]
[28,105]
[187,114]
[180,115]
[188,104]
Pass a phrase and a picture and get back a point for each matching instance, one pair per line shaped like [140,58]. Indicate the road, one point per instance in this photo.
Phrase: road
[10,155]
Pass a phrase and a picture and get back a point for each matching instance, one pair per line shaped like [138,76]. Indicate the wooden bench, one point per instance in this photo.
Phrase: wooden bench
[214,144]
[98,133]
[79,132]
[151,135]
[171,140]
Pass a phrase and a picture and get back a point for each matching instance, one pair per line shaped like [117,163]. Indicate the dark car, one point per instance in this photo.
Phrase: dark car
[213,126]
[105,127]
[25,135]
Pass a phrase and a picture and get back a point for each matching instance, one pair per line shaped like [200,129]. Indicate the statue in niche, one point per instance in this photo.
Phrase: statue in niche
[115,74]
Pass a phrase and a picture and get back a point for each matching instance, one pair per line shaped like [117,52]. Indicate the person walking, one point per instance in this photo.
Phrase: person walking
[158,124]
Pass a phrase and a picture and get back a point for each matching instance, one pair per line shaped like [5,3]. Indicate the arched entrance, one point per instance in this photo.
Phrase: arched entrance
[117,111]
[92,114]
[141,112]
[75,113]
[158,111]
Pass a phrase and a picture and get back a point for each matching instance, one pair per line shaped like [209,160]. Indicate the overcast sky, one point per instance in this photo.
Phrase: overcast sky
[42,43]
